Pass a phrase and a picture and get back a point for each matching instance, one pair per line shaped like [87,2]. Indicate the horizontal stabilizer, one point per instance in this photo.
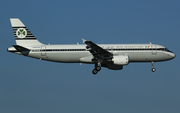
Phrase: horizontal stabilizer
[20,48]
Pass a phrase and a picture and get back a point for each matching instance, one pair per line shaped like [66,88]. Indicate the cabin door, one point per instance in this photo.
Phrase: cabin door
[43,50]
[154,49]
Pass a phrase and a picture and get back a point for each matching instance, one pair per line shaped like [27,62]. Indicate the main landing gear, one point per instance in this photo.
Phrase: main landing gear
[153,69]
[97,69]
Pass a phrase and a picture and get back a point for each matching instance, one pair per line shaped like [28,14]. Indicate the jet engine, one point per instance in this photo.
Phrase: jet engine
[121,60]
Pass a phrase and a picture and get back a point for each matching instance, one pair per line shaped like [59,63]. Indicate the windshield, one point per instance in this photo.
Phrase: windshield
[166,49]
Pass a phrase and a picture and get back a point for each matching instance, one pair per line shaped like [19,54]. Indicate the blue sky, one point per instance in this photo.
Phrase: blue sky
[31,85]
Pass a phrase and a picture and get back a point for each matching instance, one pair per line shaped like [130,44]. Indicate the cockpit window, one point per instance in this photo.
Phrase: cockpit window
[162,49]
[166,49]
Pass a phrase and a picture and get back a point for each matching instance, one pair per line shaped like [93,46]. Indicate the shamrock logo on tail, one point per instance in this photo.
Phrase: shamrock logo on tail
[21,33]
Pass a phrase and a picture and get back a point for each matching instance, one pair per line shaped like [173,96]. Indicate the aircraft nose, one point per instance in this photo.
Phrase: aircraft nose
[173,55]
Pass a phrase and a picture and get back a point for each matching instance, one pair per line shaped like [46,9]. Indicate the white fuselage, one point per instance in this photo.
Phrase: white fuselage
[75,53]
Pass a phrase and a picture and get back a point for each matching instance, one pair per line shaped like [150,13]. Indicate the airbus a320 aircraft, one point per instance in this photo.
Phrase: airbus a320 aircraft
[111,56]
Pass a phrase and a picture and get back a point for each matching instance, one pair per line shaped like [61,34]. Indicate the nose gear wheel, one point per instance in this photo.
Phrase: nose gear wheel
[153,69]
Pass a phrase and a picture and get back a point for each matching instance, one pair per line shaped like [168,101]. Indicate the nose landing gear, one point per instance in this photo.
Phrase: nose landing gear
[153,69]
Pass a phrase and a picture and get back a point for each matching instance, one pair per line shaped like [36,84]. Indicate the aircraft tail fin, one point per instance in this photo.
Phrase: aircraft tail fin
[22,34]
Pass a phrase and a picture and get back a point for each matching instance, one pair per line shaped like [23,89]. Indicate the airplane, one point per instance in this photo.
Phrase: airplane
[111,56]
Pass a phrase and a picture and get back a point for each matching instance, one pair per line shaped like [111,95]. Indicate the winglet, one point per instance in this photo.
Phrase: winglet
[83,40]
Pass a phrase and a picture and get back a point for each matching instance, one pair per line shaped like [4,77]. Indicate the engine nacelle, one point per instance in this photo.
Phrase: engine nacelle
[121,60]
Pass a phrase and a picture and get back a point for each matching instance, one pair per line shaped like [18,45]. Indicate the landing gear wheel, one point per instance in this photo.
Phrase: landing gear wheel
[95,71]
[153,69]
[98,68]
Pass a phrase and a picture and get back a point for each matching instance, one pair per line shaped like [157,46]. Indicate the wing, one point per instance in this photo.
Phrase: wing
[97,51]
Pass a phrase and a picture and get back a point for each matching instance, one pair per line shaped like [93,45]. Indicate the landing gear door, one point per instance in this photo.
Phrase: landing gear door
[154,49]
[43,50]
